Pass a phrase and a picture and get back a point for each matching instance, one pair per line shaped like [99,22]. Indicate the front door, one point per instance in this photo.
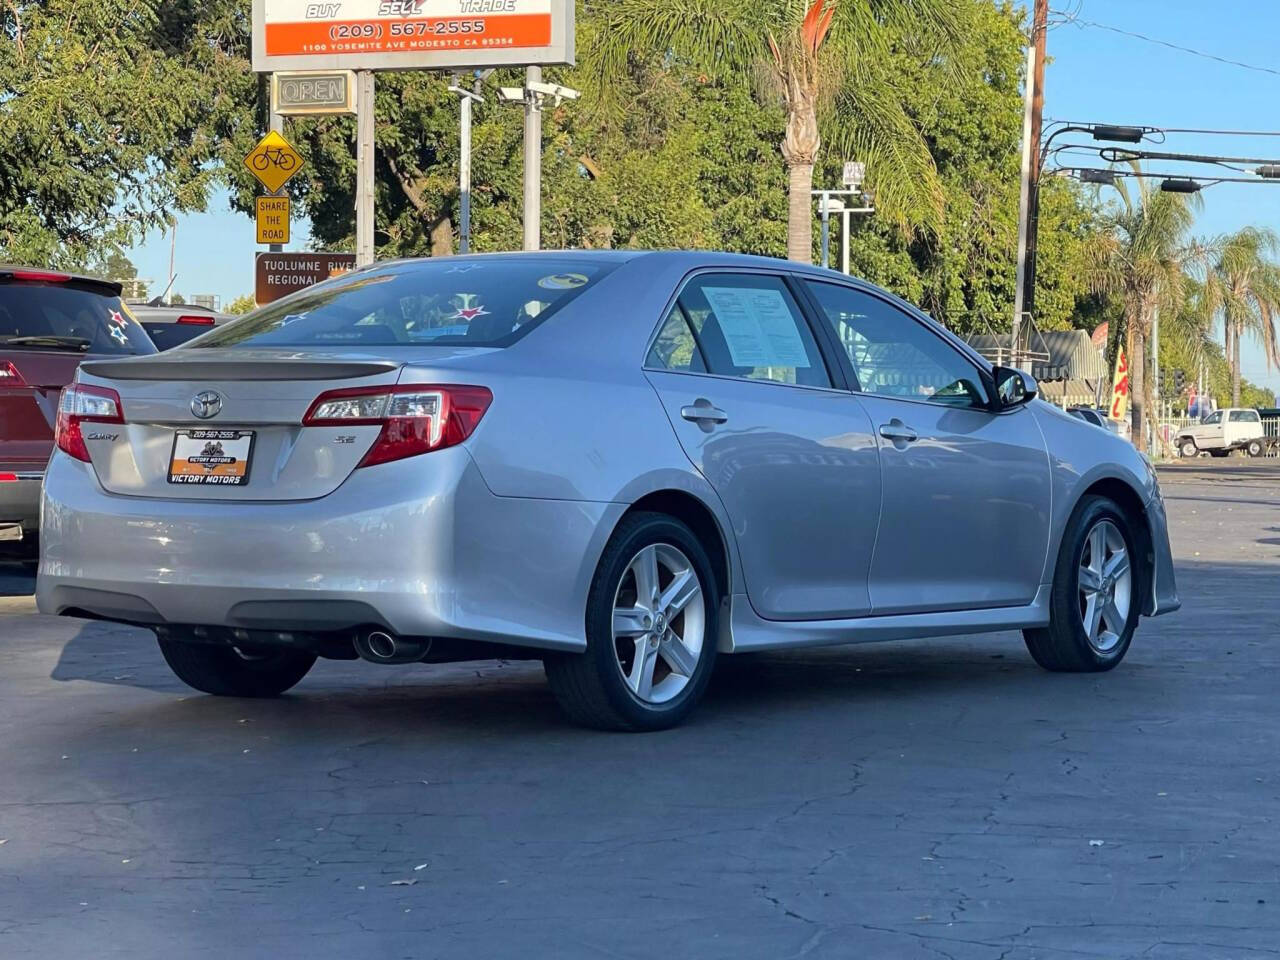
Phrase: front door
[964,521]
[755,405]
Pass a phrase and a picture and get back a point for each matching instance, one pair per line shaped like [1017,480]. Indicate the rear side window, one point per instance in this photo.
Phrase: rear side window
[1245,416]
[68,316]
[489,302]
[740,325]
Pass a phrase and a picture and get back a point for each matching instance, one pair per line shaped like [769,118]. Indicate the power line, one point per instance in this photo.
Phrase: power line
[1069,18]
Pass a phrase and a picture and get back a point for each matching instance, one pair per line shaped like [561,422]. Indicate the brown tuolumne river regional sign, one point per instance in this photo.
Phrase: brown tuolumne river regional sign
[277,275]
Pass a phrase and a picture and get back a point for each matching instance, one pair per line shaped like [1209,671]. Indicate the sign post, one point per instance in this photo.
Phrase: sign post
[364,168]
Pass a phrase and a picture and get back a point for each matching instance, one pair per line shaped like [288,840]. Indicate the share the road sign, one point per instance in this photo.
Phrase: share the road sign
[273,219]
[273,161]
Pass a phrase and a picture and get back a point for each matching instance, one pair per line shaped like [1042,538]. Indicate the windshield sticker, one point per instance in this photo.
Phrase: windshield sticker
[563,281]
[116,327]
[758,327]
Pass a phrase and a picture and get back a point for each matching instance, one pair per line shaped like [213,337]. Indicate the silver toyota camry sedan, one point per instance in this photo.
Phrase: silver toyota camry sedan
[624,464]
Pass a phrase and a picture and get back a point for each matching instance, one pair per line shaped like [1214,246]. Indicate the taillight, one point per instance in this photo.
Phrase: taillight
[196,321]
[9,375]
[81,403]
[415,418]
[41,276]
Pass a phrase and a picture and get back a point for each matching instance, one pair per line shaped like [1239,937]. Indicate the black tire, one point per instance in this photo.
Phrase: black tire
[1187,449]
[224,672]
[1254,449]
[589,686]
[1063,646]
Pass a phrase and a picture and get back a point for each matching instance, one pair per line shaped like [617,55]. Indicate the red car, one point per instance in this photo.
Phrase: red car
[49,322]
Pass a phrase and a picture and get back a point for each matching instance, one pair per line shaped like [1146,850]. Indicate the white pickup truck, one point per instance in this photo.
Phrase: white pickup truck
[1223,431]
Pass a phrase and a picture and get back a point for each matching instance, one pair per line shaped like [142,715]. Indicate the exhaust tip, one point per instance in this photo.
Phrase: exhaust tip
[381,644]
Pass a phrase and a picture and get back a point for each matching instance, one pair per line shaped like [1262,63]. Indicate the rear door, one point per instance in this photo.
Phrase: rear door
[49,323]
[964,519]
[760,410]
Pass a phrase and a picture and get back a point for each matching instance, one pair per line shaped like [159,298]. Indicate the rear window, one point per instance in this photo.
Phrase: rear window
[488,302]
[63,316]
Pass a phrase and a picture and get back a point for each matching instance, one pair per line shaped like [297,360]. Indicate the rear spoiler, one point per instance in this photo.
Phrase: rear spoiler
[168,367]
[10,274]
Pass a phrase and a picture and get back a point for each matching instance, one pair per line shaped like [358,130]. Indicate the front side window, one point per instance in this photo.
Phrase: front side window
[1213,418]
[895,355]
[485,302]
[740,325]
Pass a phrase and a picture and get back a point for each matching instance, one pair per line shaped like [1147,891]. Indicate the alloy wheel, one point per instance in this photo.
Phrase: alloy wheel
[659,623]
[1105,586]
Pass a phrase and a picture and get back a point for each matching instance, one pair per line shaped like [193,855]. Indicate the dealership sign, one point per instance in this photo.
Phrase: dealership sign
[410,34]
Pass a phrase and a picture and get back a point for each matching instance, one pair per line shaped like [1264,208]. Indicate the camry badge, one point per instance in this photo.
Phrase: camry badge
[206,404]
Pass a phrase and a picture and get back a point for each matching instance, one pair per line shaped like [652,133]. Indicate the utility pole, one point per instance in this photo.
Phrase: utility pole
[1155,374]
[466,98]
[532,160]
[364,167]
[1033,113]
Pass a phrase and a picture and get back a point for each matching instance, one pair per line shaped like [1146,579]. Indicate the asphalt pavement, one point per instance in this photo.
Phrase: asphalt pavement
[922,799]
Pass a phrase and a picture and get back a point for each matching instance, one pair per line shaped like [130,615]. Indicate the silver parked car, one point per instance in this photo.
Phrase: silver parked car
[622,463]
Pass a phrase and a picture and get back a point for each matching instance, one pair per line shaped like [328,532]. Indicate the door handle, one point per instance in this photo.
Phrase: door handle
[896,431]
[701,411]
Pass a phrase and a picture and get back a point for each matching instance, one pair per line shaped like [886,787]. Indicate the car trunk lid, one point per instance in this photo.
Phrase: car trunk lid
[233,403]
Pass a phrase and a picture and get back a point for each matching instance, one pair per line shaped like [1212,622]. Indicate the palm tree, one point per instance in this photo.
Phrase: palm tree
[825,58]
[1244,288]
[1143,256]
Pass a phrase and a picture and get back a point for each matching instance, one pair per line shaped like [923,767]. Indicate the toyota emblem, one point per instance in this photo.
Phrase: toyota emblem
[206,404]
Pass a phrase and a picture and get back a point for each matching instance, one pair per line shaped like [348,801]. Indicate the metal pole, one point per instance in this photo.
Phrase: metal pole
[532,160]
[826,232]
[173,249]
[464,177]
[1040,32]
[364,167]
[276,123]
[844,244]
[1030,141]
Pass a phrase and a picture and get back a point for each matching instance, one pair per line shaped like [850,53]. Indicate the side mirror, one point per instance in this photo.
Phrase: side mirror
[1014,387]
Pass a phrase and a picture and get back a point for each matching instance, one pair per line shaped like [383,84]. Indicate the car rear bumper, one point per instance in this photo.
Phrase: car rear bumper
[19,503]
[419,546]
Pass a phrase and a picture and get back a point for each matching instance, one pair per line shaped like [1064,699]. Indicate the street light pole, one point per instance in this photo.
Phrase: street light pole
[364,167]
[532,160]
[466,98]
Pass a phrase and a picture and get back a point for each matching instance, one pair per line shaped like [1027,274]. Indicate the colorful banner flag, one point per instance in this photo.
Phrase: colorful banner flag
[1120,388]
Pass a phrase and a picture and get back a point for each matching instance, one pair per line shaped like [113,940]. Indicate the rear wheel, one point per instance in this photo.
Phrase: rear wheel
[651,624]
[1254,449]
[231,672]
[1096,599]
[1188,448]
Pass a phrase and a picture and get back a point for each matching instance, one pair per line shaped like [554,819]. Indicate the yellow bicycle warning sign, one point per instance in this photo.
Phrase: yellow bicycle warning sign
[273,161]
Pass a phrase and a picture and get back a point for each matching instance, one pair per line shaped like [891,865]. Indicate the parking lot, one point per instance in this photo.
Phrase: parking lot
[924,799]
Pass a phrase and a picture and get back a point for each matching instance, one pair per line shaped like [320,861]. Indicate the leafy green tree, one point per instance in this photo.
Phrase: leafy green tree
[1142,258]
[241,304]
[1244,289]
[110,117]
[824,59]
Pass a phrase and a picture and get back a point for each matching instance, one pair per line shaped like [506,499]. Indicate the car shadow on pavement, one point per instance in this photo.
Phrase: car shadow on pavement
[504,696]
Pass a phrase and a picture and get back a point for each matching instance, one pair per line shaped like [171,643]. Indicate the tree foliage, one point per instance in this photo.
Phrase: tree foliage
[111,116]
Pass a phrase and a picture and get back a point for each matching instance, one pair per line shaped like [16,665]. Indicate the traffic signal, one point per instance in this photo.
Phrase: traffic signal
[1179,382]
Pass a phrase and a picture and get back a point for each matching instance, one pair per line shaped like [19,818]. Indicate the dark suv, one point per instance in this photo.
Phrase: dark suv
[49,322]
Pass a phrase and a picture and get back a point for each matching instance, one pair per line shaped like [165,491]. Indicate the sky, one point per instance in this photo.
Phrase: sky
[1094,75]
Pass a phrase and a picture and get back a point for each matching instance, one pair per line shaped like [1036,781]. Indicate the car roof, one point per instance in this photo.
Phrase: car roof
[10,271]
